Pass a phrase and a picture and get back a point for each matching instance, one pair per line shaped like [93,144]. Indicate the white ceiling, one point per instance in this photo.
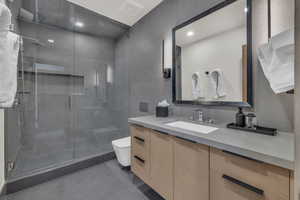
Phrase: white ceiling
[225,19]
[125,11]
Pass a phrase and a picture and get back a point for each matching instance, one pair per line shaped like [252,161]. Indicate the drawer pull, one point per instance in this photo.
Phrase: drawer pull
[139,159]
[245,157]
[139,139]
[244,185]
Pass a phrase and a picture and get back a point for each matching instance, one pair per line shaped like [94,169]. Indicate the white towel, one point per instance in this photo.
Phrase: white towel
[5,18]
[196,86]
[277,61]
[218,83]
[9,50]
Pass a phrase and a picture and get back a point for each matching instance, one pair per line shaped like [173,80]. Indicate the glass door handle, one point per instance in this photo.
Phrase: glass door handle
[70,102]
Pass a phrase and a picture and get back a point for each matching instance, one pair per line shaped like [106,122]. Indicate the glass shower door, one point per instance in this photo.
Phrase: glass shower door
[95,125]
[46,140]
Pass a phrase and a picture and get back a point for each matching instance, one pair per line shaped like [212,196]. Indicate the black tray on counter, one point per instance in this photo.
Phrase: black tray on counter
[257,129]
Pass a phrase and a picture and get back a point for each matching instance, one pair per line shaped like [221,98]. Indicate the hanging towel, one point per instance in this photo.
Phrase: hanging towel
[196,89]
[5,18]
[218,83]
[277,61]
[9,50]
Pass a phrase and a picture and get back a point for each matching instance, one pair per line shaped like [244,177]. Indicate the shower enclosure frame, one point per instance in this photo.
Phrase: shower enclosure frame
[46,173]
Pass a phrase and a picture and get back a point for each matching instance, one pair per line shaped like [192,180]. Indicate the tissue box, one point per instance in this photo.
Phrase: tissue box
[162,111]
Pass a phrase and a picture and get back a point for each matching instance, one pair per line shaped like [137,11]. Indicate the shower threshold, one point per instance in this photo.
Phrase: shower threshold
[20,183]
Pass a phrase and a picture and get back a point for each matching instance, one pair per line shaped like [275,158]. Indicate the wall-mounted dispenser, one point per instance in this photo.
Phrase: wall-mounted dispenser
[166,67]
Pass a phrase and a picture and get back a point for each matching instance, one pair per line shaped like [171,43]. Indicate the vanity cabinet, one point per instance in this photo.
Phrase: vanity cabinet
[191,170]
[239,178]
[180,169]
[140,150]
[161,161]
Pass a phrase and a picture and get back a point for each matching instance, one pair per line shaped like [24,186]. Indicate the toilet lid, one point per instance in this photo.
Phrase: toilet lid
[121,143]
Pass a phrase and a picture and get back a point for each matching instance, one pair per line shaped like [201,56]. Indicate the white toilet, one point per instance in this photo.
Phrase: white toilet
[122,150]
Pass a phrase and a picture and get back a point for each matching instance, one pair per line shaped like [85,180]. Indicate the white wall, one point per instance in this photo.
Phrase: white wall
[282,15]
[223,51]
[2,161]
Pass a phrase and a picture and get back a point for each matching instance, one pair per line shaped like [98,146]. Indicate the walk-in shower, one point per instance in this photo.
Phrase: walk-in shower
[66,89]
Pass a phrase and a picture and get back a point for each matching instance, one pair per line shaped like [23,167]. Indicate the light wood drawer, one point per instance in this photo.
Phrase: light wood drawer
[238,178]
[140,167]
[140,163]
[140,137]
[191,170]
[161,170]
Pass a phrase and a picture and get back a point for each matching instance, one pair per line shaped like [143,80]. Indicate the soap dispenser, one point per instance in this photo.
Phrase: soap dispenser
[240,118]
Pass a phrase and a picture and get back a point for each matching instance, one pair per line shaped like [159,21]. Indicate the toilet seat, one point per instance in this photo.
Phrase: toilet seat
[122,143]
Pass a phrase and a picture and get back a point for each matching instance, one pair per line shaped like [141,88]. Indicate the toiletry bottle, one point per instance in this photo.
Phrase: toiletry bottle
[240,118]
[251,120]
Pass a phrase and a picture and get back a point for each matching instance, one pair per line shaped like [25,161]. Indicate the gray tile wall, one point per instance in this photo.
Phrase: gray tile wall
[140,54]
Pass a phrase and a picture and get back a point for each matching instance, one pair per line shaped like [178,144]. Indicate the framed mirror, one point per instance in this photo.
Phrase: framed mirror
[212,57]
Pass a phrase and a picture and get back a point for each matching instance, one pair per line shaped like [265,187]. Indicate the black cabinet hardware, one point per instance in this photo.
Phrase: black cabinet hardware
[238,155]
[139,159]
[139,139]
[244,185]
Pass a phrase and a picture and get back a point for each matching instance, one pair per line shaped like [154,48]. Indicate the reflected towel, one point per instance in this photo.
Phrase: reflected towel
[9,50]
[218,82]
[196,86]
[277,61]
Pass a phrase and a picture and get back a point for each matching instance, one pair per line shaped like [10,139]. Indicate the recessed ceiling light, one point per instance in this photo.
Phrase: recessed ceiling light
[51,41]
[79,24]
[190,33]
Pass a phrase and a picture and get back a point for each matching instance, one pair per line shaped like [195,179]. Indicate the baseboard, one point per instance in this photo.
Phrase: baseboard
[35,179]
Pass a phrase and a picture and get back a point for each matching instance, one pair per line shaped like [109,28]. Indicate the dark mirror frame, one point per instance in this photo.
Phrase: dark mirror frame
[249,103]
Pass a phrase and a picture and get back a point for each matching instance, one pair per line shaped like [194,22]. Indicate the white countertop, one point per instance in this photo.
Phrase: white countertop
[276,150]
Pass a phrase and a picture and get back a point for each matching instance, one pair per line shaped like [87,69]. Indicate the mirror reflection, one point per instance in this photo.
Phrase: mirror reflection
[211,57]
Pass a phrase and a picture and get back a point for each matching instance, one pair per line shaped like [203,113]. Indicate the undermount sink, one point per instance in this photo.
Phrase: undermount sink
[192,127]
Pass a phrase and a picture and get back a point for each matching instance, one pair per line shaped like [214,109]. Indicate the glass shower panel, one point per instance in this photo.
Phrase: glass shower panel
[71,107]
[95,126]
[46,138]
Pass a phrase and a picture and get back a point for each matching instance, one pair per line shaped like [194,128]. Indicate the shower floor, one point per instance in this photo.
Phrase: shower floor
[42,154]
